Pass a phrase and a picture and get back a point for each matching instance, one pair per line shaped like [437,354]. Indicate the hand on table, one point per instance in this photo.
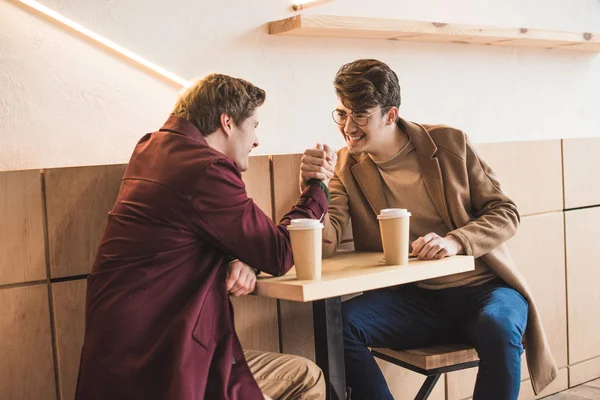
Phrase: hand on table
[241,278]
[317,163]
[435,247]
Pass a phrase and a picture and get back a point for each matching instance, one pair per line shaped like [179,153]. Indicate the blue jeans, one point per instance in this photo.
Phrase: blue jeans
[492,317]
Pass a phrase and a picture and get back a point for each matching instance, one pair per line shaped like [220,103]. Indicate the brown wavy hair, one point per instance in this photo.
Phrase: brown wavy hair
[363,84]
[203,103]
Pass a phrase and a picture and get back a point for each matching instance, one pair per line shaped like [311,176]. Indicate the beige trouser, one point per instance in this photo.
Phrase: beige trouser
[286,377]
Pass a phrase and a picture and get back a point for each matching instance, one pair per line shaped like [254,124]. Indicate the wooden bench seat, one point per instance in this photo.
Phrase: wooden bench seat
[431,361]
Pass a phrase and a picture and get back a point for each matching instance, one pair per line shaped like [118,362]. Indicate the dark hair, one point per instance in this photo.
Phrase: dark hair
[363,84]
[203,103]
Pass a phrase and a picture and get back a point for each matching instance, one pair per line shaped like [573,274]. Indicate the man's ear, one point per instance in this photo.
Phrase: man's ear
[226,123]
[392,116]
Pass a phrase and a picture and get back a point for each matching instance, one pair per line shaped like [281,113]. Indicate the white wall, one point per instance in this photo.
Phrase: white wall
[66,101]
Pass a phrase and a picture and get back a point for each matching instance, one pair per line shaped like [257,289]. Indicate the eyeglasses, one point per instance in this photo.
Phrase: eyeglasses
[361,119]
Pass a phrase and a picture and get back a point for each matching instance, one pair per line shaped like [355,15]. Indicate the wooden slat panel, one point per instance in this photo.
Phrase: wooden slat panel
[582,184]
[405,384]
[258,182]
[77,202]
[286,176]
[538,245]
[22,252]
[584,372]
[26,361]
[256,322]
[69,320]
[583,275]
[463,391]
[529,172]
[297,329]
[558,385]
[423,31]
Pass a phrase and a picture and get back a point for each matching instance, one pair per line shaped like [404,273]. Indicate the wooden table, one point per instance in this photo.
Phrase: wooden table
[346,273]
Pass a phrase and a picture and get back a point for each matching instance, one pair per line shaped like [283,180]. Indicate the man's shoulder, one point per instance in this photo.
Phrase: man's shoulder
[448,139]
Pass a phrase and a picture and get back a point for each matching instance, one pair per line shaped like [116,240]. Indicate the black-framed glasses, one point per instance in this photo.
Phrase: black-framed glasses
[360,118]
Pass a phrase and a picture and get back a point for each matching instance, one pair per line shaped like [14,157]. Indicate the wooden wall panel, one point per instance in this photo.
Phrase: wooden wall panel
[22,248]
[286,177]
[460,385]
[538,250]
[26,361]
[583,275]
[582,185]
[69,320]
[558,385]
[258,182]
[529,172]
[405,384]
[297,329]
[256,319]
[584,372]
[77,201]
[256,322]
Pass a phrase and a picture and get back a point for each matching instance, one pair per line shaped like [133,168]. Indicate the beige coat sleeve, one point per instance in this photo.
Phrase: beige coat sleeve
[496,217]
[336,219]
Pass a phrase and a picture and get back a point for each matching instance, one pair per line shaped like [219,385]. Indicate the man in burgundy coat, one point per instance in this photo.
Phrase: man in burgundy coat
[159,323]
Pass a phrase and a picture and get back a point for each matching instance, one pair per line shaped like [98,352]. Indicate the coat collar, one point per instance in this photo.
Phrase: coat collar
[182,126]
[367,175]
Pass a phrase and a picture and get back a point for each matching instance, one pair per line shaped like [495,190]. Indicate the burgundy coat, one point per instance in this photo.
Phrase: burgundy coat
[159,323]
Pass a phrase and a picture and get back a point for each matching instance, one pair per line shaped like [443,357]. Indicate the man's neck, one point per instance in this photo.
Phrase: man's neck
[392,143]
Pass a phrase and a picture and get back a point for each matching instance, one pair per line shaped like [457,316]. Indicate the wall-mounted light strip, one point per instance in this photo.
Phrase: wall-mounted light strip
[105,42]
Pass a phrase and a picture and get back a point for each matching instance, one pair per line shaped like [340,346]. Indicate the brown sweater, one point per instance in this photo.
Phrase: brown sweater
[403,187]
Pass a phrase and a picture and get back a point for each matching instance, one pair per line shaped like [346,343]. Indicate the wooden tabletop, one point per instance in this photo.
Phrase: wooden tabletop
[351,272]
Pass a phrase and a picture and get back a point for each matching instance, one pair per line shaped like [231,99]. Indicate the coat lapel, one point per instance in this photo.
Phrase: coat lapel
[430,167]
[432,176]
[369,180]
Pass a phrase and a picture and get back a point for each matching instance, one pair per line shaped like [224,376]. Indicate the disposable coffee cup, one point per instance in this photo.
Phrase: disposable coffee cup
[306,236]
[394,224]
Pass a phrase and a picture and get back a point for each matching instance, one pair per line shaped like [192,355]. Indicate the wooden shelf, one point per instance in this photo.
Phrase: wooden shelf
[417,31]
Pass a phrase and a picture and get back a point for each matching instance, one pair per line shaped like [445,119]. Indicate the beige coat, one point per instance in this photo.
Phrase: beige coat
[466,193]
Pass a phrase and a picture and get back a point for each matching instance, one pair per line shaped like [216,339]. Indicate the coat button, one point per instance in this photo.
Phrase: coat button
[233,360]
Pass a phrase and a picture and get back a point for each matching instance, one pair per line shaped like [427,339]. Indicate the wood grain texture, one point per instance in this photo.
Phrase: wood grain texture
[77,202]
[69,323]
[258,182]
[582,185]
[559,384]
[584,372]
[529,172]
[456,391]
[286,177]
[256,322]
[419,31]
[297,328]
[22,248]
[433,357]
[26,361]
[583,274]
[350,272]
[405,384]
[539,252]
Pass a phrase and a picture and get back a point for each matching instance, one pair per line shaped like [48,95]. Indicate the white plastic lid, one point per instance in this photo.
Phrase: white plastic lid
[304,223]
[388,213]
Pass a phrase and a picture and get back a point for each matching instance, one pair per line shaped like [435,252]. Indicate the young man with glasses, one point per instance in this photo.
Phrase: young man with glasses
[457,207]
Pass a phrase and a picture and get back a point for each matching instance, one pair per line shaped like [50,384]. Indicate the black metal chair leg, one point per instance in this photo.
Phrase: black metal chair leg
[427,387]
